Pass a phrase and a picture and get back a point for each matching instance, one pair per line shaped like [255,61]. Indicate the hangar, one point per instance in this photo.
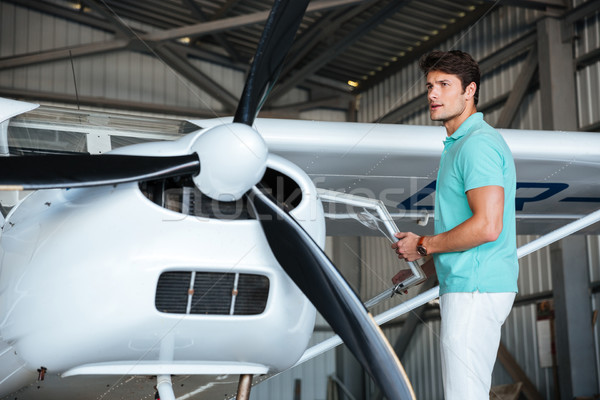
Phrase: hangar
[353,61]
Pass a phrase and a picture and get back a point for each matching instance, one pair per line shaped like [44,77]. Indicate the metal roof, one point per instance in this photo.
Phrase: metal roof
[339,41]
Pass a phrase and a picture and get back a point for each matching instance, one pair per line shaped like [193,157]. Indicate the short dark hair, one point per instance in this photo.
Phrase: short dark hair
[453,62]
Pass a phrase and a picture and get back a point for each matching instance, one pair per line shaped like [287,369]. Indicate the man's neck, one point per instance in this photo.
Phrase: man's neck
[453,124]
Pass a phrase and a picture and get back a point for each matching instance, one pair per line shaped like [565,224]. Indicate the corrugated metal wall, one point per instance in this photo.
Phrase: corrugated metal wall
[499,28]
[420,361]
[593,244]
[588,77]
[312,375]
[496,30]
[519,330]
[124,75]
[519,333]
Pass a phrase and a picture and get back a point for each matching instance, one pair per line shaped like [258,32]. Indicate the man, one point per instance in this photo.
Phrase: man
[474,245]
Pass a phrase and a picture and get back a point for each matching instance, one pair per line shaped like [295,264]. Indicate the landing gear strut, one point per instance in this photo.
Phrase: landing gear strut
[244,386]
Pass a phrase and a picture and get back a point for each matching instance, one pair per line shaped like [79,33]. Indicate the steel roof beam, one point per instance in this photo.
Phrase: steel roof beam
[64,53]
[119,44]
[424,47]
[320,31]
[220,25]
[180,64]
[176,61]
[118,26]
[309,69]
[103,102]
[520,88]
[225,9]
[537,4]
[488,64]
[221,40]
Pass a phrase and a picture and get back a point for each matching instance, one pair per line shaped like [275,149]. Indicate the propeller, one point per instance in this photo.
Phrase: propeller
[294,249]
[275,42]
[317,277]
[55,171]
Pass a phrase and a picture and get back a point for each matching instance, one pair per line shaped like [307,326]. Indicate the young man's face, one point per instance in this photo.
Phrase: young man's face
[447,99]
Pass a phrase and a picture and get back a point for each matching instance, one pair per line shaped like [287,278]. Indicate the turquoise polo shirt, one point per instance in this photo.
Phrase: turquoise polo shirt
[476,155]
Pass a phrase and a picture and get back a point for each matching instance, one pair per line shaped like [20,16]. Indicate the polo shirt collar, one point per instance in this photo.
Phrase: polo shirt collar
[465,127]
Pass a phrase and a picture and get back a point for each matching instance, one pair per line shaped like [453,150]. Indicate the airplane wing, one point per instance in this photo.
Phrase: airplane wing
[397,164]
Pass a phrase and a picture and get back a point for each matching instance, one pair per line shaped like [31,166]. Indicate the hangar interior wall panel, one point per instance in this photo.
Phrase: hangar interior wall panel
[122,75]
[313,376]
[519,333]
[593,243]
[588,76]
[497,29]
[421,359]
[324,115]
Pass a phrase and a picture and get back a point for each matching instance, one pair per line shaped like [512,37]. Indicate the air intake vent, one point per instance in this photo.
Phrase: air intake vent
[211,293]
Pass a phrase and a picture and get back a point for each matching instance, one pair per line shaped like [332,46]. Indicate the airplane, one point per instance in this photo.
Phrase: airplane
[168,267]
[210,295]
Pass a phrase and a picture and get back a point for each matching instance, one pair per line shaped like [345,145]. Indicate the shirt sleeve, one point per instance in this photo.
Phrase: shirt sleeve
[481,163]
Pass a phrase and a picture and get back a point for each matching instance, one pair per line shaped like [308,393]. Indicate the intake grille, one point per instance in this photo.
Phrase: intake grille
[211,293]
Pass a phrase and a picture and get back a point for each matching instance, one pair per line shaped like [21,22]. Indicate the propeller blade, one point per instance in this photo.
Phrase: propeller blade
[313,272]
[71,171]
[275,42]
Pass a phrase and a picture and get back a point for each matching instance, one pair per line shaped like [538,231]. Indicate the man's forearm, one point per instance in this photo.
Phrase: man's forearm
[469,234]
[485,225]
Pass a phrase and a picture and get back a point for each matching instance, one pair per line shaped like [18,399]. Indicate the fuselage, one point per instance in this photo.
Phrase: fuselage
[105,281]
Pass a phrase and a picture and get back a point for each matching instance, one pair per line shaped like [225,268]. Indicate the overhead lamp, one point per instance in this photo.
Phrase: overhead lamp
[185,40]
[353,83]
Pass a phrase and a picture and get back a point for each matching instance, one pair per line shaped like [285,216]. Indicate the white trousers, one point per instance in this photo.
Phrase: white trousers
[469,340]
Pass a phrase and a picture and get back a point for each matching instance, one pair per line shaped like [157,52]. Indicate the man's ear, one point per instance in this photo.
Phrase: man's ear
[470,90]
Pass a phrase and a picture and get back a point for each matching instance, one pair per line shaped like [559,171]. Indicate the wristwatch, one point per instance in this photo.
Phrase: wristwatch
[420,248]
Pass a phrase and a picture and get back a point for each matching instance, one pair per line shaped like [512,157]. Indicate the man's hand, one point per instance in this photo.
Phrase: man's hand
[406,246]
[401,276]
[428,269]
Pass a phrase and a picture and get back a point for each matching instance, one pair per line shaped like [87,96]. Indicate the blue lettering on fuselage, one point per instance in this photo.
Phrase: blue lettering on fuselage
[549,189]
[411,202]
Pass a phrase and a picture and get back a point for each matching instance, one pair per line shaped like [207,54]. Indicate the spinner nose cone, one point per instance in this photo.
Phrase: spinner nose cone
[233,158]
